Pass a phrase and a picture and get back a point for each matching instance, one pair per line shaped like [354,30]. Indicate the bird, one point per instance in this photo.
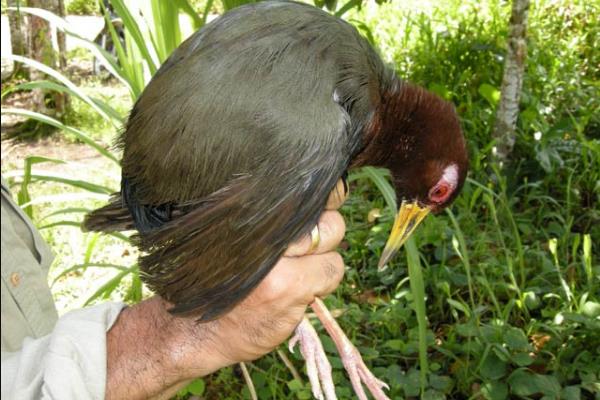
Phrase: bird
[232,150]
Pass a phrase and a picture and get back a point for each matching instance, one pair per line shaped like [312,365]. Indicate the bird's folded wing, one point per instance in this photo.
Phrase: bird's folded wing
[210,258]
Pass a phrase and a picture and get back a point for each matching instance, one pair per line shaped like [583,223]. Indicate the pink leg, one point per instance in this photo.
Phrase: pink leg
[351,358]
[317,364]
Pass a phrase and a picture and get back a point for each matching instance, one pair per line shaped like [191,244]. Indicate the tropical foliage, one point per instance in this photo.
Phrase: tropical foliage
[500,296]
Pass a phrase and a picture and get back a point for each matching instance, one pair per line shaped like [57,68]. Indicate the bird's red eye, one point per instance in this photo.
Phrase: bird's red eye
[440,193]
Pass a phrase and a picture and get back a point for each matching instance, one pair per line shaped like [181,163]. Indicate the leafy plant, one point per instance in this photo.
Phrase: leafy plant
[507,305]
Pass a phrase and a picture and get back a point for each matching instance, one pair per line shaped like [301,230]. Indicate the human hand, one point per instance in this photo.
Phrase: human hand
[152,353]
[273,310]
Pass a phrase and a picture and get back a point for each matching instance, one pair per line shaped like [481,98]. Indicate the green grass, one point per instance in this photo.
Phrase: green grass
[510,274]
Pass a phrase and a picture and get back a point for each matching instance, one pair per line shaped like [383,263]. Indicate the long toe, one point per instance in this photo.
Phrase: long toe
[318,367]
[357,370]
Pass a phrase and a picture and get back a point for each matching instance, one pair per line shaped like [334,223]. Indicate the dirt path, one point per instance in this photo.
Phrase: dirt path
[15,152]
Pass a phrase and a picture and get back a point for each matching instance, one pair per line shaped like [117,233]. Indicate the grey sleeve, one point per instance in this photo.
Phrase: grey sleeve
[69,363]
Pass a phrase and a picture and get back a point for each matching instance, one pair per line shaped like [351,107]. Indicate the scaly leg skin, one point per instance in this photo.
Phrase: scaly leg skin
[351,358]
[317,364]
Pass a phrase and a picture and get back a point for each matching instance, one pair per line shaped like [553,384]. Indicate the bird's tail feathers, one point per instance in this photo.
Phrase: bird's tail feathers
[201,261]
[113,217]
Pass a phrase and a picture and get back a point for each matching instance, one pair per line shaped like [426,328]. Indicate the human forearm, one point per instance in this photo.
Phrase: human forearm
[144,348]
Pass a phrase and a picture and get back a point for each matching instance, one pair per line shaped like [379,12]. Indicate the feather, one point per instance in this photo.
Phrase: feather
[231,151]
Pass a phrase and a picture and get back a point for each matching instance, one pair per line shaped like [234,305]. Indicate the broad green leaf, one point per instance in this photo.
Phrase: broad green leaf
[591,309]
[431,394]
[522,359]
[492,367]
[411,383]
[516,339]
[197,387]
[525,383]
[490,93]
[571,393]
[495,390]
[442,383]
[395,344]
[295,385]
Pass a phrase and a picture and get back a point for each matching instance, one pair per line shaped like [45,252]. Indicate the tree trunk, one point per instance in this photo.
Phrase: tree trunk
[42,50]
[61,37]
[18,32]
[512,81]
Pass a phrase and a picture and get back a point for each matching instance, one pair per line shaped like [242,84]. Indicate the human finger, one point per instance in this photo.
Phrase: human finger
[331,230]
[313,275]
[338,196]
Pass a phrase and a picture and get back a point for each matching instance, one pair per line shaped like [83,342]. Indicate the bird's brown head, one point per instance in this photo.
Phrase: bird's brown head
[417,136]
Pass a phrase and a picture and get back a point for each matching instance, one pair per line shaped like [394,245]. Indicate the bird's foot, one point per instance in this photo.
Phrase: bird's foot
[358,372]
[317,364]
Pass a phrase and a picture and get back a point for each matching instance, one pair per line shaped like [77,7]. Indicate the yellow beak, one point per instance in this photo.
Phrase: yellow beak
[408,218]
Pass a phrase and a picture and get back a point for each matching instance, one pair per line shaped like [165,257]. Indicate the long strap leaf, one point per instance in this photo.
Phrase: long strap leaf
[106,59]
[57,124]
[417,288]
[132,26]
[49,85]
[91,187]
[87,265]
[61,78]
[378,176]
[106,289]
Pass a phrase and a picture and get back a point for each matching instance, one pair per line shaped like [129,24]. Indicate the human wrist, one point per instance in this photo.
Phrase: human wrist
[150,351]
[191,349]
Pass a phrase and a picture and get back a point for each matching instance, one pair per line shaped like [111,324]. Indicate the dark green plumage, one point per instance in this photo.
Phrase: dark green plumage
[239,131]
[232,149]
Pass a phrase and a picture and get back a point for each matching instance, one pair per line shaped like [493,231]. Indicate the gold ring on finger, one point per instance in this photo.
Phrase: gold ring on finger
[315,239]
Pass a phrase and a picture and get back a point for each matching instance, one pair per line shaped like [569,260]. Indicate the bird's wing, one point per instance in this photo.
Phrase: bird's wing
[281,165]
[209,259]
[232,150]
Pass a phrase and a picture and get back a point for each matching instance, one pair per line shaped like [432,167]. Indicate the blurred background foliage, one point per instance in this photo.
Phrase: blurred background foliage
[508,278]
